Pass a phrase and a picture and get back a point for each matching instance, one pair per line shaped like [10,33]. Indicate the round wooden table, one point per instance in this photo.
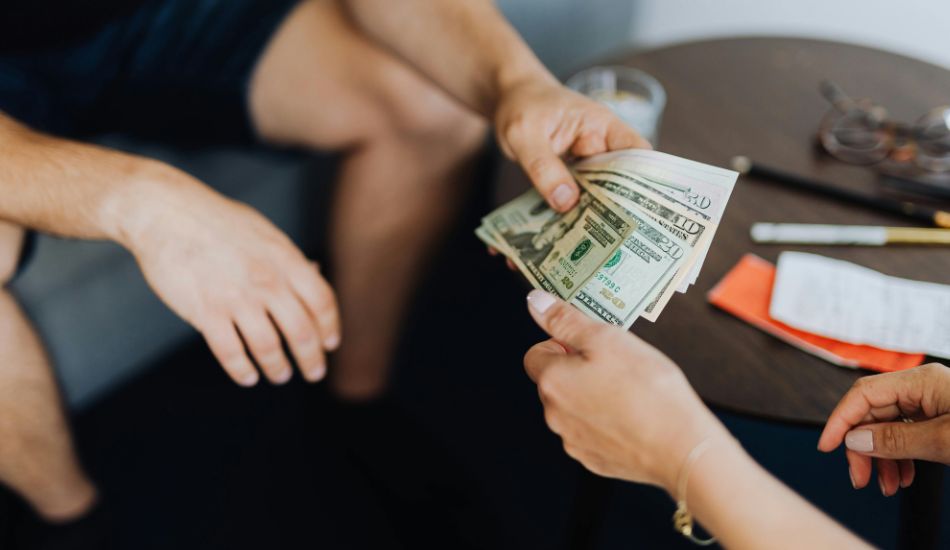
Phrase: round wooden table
[759,97]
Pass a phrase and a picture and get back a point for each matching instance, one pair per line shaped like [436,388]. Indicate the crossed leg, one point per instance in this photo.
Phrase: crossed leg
[320,84]
[11,241]
[37,459]
[407,146]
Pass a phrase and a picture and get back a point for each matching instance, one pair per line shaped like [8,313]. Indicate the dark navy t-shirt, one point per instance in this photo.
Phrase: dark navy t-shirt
[30,25]
[156,69]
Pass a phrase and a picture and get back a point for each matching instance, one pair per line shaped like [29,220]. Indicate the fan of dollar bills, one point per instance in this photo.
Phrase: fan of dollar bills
[639,233]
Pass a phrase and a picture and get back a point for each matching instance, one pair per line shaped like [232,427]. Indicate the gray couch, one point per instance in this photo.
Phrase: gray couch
[102,324]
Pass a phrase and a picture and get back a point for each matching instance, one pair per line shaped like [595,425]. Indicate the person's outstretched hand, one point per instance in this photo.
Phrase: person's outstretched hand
[537,121]
[240,281]
[622,408]
[870,421]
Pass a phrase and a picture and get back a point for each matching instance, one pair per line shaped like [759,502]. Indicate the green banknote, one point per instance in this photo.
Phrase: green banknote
[558,252]
[639,233]
[635,276]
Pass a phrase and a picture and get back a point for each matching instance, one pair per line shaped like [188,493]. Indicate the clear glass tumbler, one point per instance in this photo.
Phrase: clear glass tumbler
[636,97]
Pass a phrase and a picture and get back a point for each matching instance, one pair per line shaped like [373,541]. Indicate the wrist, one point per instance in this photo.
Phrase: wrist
[133,207]
[723,455]
[706,438]
[518,74]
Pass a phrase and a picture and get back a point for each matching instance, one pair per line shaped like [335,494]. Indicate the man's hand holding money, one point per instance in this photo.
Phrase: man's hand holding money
[538,121]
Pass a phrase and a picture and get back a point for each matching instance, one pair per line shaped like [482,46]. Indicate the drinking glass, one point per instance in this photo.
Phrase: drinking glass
[635,97]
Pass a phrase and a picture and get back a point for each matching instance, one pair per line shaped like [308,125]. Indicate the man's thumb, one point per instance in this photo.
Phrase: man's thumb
[920,440]
[562,321]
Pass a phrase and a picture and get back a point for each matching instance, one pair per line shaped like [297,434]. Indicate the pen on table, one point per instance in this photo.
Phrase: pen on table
[866,235]
[745,166]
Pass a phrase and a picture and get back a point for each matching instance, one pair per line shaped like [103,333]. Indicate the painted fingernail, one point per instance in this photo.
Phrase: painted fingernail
[540,301]
[563,196]
[880,482]
[331,342]
[861,441]
[851,475]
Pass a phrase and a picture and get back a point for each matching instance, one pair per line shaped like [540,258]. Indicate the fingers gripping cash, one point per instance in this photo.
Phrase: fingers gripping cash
[638,234]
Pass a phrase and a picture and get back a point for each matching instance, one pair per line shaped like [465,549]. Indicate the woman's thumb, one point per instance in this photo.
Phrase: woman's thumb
[925,440]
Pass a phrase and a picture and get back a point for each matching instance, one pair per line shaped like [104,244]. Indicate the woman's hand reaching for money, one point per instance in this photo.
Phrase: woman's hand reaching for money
[622,408]
[891,419]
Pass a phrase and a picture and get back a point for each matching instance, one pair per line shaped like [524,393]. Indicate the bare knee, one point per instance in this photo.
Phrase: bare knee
[421,113]
[323,84]
[11,242]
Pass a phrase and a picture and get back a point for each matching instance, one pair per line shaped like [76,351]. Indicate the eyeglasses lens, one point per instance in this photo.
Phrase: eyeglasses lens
[933,140]
[849,137]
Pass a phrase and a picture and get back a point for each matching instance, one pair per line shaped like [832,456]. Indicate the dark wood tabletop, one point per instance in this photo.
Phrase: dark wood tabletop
[759,97]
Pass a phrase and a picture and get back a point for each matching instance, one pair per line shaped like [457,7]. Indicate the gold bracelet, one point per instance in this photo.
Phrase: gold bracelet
[682,519]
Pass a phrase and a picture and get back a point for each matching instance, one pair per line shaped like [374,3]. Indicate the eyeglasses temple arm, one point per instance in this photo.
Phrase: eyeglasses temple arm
[836,96]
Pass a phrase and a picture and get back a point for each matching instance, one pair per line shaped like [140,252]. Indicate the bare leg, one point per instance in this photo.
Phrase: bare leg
[382,237]
[11,241]
[37,458]
[323,85]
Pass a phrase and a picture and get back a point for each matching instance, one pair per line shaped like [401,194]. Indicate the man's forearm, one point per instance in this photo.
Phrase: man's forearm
[69,188]
[466,46]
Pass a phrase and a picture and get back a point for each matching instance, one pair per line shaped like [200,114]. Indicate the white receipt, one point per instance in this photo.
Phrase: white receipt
[854,304]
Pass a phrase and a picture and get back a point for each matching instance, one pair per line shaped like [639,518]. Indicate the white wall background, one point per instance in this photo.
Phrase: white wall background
[568,34]
[918,28]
